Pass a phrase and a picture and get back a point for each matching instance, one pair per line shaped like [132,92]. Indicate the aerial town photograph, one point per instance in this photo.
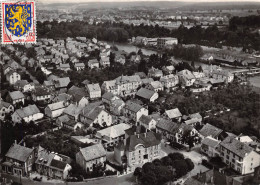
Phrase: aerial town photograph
[119,92]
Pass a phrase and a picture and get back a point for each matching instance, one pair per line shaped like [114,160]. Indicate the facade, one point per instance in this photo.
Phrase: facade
[96,115]
[41,94]
[12,77]
[147,122]
[79,66]
[55,109]
[93,64]
[16,97]
[169,81]
[29,113]
[186,77]
[139,149]
[134,111]
[166,41]
[24,86]
[52,164]
[239,156]
[154,72]
[210,146]
[5,108]
[155,86]
[91,156]
[223,75]
[19,160]
[94,91]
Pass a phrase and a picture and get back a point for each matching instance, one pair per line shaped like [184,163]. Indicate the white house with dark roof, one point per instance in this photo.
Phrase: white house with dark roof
[210,146]
[186,77]
[24,86]
[55,109]
[91,156]
[12,77]
[148,122]
[139,149]
[93,64]
[41,94]
[29,113]
[239,156]
[93,115]
[79,66]
[134,111]
[5,108]
[147,94]
[155,86]
[16,97]
[94,90]
[169,81]
[210,130]
[19,160]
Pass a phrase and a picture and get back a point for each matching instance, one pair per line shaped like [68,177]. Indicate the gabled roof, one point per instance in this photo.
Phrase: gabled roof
[173,113]
[92,114]
[93,152]
[62,82]
[114,131]
[132,106]
[93,87]
[63,118]
[147,139]
[79,65]
[145,93]
[58,164]
[72,110]
[209,141]
[27,111]
[127,79]
[4,104]
[16,95]
[145,119]
[235,146]
[108,96]
[56,106]
[21,83]
[156,84]
[19,152]
[210,130]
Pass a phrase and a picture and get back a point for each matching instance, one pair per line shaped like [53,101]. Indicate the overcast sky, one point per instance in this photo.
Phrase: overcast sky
[71,1]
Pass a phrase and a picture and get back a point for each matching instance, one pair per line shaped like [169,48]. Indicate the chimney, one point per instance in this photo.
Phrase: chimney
[24,144]
[137,135]
[134,133]
[145,134]
[15,142]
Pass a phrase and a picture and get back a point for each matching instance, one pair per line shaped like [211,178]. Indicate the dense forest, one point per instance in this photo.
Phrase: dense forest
[247,37]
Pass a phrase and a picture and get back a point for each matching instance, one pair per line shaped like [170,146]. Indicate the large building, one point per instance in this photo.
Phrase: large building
[166,41]
[238,155]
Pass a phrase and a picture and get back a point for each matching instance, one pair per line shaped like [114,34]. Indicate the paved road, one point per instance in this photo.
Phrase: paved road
[122,180]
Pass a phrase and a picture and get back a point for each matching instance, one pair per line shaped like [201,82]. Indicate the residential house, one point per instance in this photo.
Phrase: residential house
[12,77]
[214,132]
[72,124]
[94,91]
[105,62]
[24,86]
[142,75]
[127,85]
[139,149]
[55,109]
[186,77]
[29,113]
[238,155]
[5,108]
[155,73]
[116,107]
[112,135]
[79,66]
[61,83]
[73,111]
[19,160]
[93,64]
[168,69]
[61,120]
[147,122]
[185,130]
[52,164]
[16,97]
[109,97]
[66,98]
[166,127]
[134,111]
[78,96]
[166,42]
[91,156]
[41,93]
[174,114]
[223,75]
[146,81]
[169,81]
[155,86]
[64,67]
[93,115]
[147,95]
[210,146]
[11,65]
